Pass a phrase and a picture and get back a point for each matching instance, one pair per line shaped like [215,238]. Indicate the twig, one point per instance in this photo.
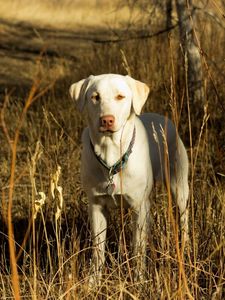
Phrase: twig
[138,37]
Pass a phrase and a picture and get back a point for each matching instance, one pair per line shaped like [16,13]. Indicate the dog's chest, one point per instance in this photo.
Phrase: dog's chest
[107,170]
[105,183]
[130,175]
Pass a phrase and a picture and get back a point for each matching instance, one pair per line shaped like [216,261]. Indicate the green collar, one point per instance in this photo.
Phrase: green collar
[121,163]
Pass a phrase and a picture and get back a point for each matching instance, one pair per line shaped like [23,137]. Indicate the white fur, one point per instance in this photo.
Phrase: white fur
[123,98]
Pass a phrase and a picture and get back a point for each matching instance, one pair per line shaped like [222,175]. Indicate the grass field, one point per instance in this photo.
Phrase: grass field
[71,14]
[41,131]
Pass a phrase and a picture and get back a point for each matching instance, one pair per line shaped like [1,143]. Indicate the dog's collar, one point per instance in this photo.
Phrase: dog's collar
[120,164]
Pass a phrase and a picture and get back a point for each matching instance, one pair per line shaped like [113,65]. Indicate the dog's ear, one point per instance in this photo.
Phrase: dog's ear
[140,93]
[78,92]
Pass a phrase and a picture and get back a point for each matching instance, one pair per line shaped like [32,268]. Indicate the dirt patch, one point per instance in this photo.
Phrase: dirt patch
[27,52]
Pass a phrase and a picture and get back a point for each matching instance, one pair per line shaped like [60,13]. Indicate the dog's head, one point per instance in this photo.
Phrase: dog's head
[109,99]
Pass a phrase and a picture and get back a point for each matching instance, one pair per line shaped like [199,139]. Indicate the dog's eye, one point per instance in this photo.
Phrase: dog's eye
[95,97]
[120,97]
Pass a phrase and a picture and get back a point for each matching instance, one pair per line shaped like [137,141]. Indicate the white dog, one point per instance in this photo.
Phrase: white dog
[123,154]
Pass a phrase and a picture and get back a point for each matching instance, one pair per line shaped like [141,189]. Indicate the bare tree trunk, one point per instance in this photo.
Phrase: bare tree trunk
[169,8]
[192,54]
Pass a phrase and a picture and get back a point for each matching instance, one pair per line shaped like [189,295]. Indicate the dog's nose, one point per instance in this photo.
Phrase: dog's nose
[107,122]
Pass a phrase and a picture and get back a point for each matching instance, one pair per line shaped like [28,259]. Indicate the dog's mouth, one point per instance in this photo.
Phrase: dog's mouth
[104,130]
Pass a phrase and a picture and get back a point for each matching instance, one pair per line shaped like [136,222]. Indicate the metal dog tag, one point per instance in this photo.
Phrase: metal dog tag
[110,188]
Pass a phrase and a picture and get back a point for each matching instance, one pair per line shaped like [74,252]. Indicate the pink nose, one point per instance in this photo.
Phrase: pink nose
[107,122]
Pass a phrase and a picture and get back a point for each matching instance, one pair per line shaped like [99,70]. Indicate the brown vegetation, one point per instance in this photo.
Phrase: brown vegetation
[41,130]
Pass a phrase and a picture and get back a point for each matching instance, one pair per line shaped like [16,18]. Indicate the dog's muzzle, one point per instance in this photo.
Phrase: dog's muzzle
[106,123]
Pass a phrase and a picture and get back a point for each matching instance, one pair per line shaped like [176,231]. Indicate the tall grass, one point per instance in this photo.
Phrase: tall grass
[44,257]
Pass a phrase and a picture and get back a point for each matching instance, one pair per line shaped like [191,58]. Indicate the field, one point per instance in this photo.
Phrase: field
[47,45]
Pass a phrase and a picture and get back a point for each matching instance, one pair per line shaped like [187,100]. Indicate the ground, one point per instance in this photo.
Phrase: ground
[45,46]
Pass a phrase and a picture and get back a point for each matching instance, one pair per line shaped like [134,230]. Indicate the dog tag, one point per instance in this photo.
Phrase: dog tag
[110,188]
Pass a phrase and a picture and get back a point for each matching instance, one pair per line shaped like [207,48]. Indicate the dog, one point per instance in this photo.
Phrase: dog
[124,154]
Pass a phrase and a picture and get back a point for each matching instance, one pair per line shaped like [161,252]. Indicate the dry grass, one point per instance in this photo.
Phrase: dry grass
[69,14]
[53,254]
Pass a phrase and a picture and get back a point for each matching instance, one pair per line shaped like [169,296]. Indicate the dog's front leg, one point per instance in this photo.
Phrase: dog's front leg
[98,227]
[141,230]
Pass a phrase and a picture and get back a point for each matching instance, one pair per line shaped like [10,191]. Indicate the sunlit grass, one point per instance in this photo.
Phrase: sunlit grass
[53,255]
[69,14]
